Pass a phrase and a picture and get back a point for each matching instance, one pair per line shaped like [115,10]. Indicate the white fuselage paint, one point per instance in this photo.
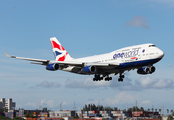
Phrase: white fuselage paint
[131,54]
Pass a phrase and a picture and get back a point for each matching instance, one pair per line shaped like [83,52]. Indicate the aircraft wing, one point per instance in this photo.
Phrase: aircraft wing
[44,62]
[66,63]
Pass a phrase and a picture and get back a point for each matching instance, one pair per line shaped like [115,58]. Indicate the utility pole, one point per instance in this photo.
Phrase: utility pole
[136,109]
[132,110]
[75,108]
[136,105]
[40,106]
[98,105]
[163,109]
[60,106]
[90,106]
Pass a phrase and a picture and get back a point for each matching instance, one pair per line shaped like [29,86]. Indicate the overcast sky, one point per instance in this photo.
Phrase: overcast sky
[84,28]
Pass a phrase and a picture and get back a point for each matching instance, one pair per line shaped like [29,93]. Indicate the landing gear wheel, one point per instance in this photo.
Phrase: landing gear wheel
[94,79]
[120,79]
[97,77]
[122,76]
[108,78]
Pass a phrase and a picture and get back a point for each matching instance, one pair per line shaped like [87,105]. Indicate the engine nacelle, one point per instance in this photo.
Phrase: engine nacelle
[152,69]
[89,69]
[52,67]
[146,70]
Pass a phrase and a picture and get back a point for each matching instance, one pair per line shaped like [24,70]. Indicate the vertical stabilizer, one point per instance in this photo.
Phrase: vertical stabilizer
[59,52]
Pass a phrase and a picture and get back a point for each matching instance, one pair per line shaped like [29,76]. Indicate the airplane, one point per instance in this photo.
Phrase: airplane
[141,57]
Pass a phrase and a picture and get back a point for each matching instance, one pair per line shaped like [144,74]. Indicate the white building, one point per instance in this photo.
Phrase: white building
[7,104]
[60,114]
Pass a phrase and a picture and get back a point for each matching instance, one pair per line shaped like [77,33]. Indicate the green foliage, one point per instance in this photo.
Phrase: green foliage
[4,118]
[27,115]
[170,117]
[18,118]
[115,109]
[3,110]
[44,109]
[100,108]
[31,115]
[75,117]
[136,109]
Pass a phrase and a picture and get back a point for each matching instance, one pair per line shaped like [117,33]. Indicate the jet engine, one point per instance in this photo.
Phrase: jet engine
[89,69]
[152,69]
[52,67]
[146,70]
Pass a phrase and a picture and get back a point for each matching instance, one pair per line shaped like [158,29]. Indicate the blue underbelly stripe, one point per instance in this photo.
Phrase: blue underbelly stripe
[138,63]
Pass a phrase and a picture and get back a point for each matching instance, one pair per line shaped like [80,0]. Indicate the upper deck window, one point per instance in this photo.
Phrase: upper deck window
[152,45]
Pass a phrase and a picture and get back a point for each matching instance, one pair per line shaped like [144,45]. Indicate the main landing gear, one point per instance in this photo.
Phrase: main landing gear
[98,78]
[120,79]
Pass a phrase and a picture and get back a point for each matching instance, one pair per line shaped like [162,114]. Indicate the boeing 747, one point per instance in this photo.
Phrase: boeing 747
[140,57]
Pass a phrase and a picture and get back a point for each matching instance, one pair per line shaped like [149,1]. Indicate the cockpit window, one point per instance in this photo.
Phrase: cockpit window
[152,45]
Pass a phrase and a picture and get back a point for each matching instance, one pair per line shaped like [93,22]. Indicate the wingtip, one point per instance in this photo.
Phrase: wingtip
[7,54]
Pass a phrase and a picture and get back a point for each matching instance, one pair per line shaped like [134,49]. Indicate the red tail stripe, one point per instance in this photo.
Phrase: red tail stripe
[55,45]
[63,57]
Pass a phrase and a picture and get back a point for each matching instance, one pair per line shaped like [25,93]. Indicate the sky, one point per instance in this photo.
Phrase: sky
[84,28]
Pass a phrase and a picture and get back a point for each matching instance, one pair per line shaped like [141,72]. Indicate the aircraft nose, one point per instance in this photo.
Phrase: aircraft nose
[161,54]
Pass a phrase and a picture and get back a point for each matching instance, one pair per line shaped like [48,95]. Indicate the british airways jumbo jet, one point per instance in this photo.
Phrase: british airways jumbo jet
[140,57]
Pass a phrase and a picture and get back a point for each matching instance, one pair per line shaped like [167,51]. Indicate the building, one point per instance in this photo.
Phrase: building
[60,114]
[7,104]
[121,115]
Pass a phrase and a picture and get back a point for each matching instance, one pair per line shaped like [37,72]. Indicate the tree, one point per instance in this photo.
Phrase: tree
[27,115]
[115,109]
[170,117]
[168,111]
[160,111]
[101,107]
[171,112]
[109,109]
[130,109]
[3,110]
[76,117]
[31,115]
[155,110]
[4,118]
[18,118]
[94,107]
[89,107]
[141,109]
[86,108]
[44,109]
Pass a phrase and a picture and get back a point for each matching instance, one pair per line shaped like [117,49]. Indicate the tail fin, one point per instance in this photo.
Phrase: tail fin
[59,52]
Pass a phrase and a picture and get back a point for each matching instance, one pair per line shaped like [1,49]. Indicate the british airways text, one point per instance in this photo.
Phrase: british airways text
[128,54]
